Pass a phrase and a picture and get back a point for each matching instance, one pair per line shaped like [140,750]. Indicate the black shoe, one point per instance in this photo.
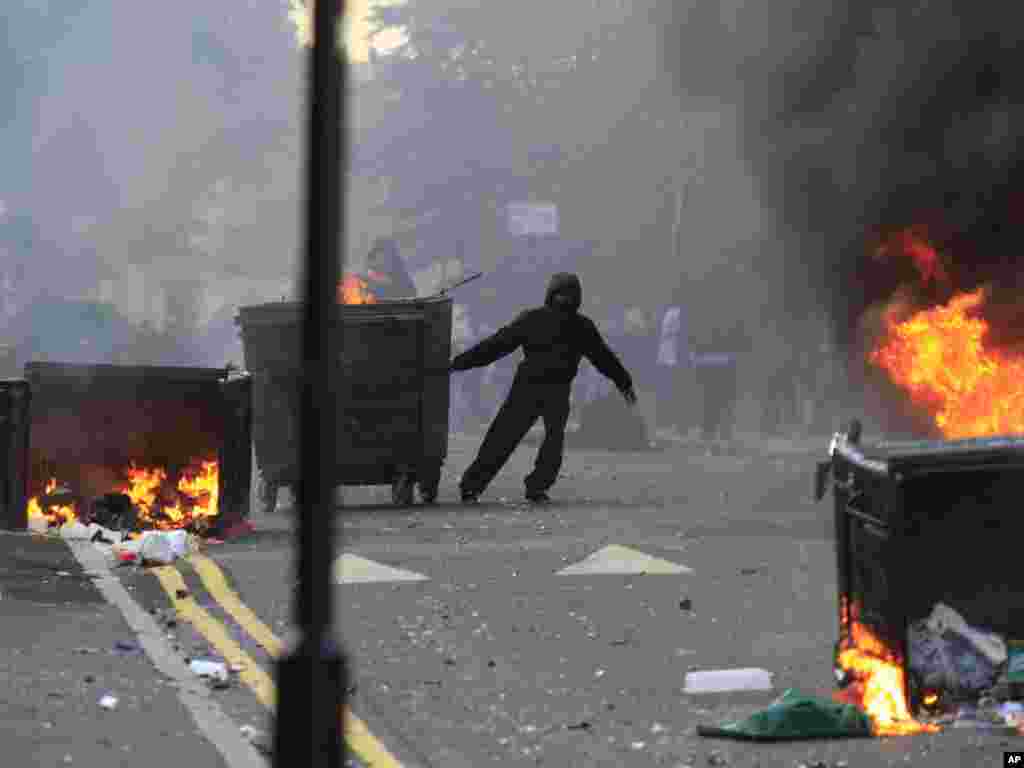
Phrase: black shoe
[538,497]
[470,498]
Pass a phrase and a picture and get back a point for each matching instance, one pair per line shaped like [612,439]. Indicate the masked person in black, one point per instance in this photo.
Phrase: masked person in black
[554,338]
[389,279]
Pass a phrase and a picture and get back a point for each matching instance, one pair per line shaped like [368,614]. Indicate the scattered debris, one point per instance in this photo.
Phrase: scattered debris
[948,655]
[726,680]
[793,717]
[163,547]
[686,604]
[108,702]
[63,573]
[214,671]
[125,646]
[749,571]
[583,725]
[89,679]
[85,651]
[75,531]
[115,511]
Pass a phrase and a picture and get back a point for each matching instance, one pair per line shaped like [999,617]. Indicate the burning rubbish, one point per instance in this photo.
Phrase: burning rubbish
[146,500]
[875,678]
[355,290]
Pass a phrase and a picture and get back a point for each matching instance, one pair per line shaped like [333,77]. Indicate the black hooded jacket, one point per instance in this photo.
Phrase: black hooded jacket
[554,338]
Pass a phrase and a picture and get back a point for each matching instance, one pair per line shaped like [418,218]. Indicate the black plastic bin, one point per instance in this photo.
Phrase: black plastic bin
[84,423]
[918,523]
[393,399]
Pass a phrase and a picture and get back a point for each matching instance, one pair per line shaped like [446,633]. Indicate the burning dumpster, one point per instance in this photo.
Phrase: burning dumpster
[928,540]
[169,444]
[393,401]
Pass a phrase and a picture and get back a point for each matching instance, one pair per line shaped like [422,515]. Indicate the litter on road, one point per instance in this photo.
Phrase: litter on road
[795,716]
[108,702]
[215,671]
[728,680]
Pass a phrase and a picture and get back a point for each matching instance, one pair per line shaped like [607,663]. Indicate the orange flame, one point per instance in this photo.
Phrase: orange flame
[939,357]
[878,681]
[194,500]
[55,514]
[354,290]
[921,252]
[196,497]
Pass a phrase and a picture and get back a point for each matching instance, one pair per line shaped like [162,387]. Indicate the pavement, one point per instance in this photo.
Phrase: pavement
[467,644]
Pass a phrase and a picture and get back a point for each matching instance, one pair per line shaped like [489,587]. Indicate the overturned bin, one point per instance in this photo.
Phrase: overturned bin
[393,395]
[929,537]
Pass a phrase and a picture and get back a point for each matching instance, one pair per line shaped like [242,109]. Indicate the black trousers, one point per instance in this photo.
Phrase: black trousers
[719,389]
[524,405]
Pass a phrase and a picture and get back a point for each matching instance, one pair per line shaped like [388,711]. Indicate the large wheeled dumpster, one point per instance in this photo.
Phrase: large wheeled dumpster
[919,524]
[393,394]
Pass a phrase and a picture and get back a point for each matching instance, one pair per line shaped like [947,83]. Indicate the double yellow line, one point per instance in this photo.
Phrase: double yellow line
[363,743]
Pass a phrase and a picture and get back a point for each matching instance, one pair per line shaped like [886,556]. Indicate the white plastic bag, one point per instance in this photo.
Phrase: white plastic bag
[157,549]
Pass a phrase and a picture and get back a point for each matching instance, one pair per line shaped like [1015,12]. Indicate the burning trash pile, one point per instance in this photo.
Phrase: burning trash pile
[963,677]
[147,519]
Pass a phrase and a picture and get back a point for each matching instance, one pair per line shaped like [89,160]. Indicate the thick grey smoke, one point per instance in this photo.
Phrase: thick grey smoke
[906,115]
[149,120]
[862,118]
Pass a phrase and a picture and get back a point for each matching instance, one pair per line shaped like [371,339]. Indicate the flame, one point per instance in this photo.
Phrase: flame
[940,358]
[910,243]
[203,487]
[878,680]
[196,498]
[55,514]
[354,290]
[194,501]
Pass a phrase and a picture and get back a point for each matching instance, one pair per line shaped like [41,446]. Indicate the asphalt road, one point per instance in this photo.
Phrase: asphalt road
[492,657]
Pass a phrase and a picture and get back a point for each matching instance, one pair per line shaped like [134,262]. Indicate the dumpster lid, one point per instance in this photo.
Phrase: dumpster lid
[948,455]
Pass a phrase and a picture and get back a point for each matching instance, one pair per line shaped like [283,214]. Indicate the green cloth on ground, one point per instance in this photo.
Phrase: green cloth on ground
[793,717]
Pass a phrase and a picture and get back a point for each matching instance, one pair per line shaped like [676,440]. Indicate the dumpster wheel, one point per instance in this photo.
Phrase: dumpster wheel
[402,489]
[429,477]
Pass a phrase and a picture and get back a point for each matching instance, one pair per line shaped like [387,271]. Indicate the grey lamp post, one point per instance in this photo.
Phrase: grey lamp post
[312,677]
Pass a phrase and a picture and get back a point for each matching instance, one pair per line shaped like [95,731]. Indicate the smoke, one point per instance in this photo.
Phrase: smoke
[901,115]
[139,112]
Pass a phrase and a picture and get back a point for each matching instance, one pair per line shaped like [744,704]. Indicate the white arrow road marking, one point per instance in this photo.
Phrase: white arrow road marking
[352,569]
[616,559]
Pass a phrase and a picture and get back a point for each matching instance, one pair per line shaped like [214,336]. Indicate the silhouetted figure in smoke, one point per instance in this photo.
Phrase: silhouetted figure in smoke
[716,363]
[554,338]
[389,279]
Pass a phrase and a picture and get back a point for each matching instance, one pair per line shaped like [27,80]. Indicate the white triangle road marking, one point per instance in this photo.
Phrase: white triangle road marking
[353,569]
[616,559]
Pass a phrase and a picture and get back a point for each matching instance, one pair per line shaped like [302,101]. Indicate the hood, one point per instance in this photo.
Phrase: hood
[568,290]
[384,255]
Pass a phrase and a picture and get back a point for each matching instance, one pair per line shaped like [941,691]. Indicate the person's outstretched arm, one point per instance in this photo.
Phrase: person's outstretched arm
[500,344]
[597,351]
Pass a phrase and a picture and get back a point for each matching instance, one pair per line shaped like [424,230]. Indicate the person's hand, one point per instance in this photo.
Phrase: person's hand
[629,395]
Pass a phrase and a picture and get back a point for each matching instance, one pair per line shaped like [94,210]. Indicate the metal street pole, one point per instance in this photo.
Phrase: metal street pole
[312,677]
